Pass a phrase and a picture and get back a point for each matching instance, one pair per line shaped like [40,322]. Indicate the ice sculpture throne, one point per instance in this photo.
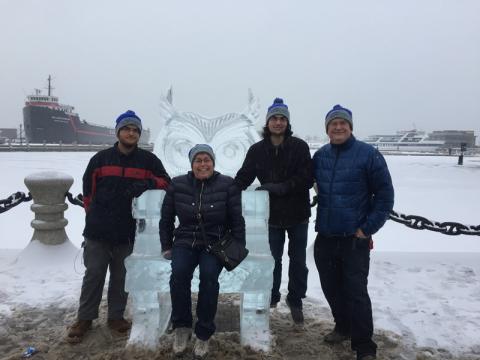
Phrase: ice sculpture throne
[148,274]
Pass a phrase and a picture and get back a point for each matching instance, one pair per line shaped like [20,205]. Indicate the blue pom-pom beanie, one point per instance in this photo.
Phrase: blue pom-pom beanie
[278,108]
[128,118]
[339,111]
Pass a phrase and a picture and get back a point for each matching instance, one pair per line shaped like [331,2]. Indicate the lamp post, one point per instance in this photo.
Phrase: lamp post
[463,148]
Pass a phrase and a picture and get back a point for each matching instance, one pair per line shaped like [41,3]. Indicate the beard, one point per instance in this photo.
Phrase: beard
[128,145]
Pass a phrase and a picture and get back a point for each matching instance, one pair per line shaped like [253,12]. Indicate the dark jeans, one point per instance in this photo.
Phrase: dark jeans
[343,264]
[98,256]
[184,262]
[297,269]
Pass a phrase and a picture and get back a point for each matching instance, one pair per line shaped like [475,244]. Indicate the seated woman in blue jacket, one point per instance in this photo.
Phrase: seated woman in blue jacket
[201,193]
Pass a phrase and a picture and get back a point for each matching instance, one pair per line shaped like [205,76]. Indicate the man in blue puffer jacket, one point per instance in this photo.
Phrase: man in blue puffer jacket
[355,197]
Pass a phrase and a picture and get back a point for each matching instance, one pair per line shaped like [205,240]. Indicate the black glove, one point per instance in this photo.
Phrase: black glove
[167,254]
[278,189]
[137,188]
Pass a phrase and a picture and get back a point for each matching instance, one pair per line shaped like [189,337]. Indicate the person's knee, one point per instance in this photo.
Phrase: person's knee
[96,269]
[356,288]
[276,253]
[299,260]
[210,284]
[209,276]
[278,260]
[181,273]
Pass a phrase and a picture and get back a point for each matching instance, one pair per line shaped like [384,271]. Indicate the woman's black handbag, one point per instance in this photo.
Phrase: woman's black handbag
[230,252]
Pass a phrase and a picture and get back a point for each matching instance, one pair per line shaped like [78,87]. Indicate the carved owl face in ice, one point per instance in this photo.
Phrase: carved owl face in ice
[229,135]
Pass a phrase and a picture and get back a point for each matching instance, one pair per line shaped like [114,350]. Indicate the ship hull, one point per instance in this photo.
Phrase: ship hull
[46,125]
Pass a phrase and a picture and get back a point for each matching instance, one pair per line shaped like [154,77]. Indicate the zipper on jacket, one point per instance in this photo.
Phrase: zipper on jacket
[331,185]
[199,214]
[200,197]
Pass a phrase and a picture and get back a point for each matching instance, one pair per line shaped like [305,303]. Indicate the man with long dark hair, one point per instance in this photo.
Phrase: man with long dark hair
[282,164]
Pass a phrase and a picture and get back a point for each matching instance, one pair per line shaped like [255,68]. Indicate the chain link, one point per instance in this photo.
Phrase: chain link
[77,200]
[447,228]
[13,200]
[19,197]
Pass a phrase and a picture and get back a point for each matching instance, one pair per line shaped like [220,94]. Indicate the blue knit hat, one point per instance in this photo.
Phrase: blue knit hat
[278,108]
[128,118]
[201,148]
[339,111]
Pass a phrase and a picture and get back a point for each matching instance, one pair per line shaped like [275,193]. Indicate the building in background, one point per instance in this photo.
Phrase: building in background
[453,138]
[8,134]
[440,141]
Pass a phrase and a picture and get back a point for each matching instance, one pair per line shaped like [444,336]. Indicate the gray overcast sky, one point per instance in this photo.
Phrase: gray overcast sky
[396,64]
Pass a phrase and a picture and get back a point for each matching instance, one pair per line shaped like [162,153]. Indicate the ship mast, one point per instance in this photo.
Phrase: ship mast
[50,88]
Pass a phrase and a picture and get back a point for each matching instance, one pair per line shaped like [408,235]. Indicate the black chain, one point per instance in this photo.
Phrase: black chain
[13,200]
[412,221]
[420,223]
[77,200]
[447,228]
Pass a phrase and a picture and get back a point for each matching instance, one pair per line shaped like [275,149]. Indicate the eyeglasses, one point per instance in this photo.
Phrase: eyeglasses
[206,160]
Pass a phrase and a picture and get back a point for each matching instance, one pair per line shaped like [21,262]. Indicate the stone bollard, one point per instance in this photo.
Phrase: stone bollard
[48,191]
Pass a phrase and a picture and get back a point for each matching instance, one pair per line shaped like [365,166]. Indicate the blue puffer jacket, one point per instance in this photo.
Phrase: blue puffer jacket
[354,189]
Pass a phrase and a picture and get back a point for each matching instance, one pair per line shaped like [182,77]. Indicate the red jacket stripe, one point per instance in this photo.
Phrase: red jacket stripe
[109,170]
[86,202]
[136,173]
[160,183]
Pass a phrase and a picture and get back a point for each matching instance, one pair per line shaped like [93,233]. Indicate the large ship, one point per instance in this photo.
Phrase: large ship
[45,120]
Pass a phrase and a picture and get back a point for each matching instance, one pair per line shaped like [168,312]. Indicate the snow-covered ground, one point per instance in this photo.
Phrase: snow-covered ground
[424,286]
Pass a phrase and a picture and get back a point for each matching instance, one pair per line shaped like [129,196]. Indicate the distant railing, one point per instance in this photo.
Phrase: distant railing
[61,147]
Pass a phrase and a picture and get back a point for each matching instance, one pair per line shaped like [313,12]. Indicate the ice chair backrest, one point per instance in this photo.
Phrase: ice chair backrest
[256,211]
[148,205]
[255,204]
[146,211]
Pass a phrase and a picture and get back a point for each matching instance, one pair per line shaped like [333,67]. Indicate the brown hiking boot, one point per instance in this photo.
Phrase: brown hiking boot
[367,357]
[180,340]
[120,325]
[335,337]
[200,350]
[296,312]
[77,330]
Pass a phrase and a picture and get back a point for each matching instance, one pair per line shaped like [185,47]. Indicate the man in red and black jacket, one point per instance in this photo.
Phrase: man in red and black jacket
[113,177]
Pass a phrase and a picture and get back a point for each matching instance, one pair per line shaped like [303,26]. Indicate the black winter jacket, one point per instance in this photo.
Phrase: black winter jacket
[111,180]
[288,164]
[219,204]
